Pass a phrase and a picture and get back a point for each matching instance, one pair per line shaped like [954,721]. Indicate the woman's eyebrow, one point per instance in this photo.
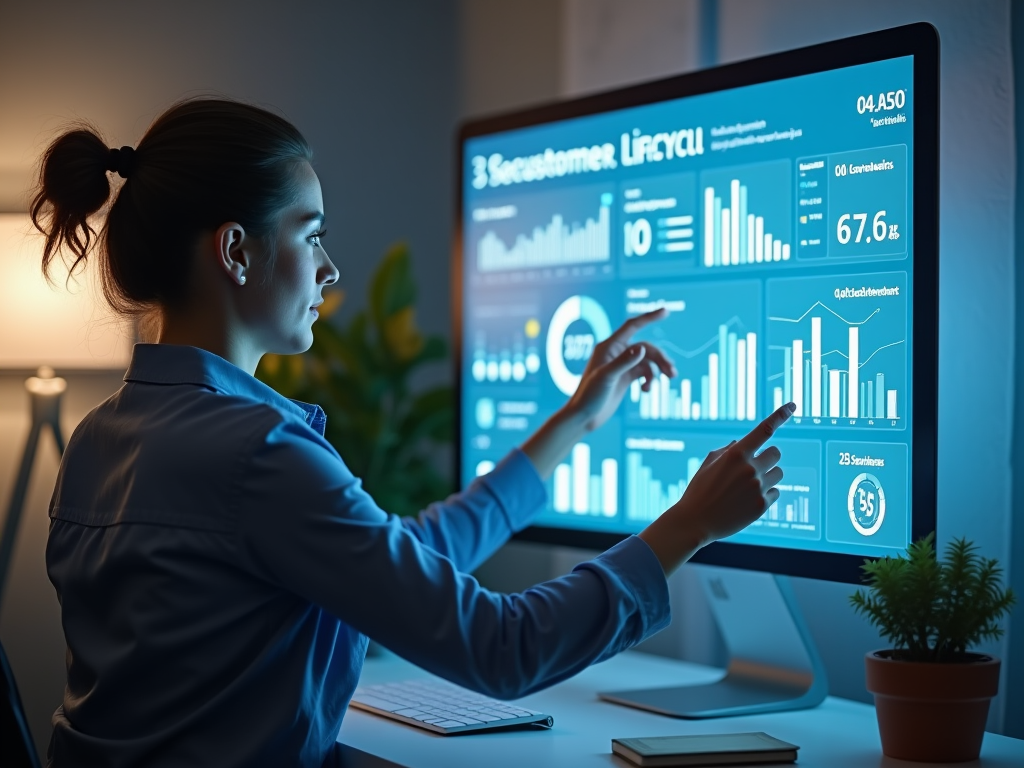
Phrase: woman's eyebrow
[313,216]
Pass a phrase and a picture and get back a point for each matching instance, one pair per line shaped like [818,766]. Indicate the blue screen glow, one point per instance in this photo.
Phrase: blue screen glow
[774,222]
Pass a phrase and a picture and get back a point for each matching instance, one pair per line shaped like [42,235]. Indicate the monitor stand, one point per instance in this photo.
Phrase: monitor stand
[773,663]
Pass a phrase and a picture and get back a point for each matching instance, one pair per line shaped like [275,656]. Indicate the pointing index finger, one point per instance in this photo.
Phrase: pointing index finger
[763,432]
[634,324]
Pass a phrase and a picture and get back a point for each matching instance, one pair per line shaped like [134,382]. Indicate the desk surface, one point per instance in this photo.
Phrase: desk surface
[837,734]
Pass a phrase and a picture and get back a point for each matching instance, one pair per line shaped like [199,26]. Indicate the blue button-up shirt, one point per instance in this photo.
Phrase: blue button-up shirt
[219,570]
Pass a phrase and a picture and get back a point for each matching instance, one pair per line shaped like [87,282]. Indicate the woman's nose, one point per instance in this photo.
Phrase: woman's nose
[329,273]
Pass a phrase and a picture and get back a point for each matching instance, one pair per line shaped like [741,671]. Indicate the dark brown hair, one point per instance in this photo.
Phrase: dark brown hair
[202,163]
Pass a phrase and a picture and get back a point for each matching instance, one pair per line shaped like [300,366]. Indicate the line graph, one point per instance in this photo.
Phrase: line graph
[842,360]
[719,377]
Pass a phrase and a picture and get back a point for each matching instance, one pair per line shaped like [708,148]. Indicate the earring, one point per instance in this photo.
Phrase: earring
[241,279]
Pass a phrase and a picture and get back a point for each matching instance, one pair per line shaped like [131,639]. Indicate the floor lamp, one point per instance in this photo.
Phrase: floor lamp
[43,327]
[44,391]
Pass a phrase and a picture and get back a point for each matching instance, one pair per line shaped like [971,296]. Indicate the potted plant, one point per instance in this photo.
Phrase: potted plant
[931,692]
[390,433]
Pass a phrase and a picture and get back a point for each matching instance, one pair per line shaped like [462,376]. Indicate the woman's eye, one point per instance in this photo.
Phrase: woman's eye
[315,238]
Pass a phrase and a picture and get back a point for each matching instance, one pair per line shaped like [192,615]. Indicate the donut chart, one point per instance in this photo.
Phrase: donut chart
[866,504]
[569,311]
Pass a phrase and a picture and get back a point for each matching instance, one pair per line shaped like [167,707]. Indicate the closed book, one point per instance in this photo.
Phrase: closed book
[705,749]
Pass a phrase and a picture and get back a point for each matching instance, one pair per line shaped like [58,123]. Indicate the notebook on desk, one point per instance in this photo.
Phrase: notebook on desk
[705,749]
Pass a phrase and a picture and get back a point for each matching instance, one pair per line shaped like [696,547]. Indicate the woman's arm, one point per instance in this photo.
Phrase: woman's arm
[309,528]
[469,527]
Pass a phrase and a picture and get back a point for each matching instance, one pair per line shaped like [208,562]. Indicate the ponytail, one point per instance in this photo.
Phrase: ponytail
[73,186]
[202,163]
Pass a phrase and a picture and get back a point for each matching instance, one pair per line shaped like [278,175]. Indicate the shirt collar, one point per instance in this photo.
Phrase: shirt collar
[176,364]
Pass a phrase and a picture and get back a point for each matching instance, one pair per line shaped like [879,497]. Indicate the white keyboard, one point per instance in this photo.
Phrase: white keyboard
[442,707]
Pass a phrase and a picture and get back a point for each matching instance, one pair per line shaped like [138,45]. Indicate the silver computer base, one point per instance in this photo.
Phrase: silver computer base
[773,663]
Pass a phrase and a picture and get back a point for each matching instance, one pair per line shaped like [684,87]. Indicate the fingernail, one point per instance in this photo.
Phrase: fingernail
[791,407]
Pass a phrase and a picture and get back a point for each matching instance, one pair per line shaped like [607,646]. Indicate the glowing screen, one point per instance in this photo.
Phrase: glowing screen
[773,221]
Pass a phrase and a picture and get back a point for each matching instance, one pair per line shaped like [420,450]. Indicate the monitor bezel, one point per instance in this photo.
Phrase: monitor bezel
[918,40]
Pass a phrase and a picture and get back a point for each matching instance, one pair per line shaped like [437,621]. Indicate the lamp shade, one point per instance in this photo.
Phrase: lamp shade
[65,326]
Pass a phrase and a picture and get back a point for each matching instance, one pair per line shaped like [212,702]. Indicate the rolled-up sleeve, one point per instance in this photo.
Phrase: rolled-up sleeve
[306,524]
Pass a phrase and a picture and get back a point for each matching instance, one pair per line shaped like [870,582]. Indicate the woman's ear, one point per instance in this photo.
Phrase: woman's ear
[232,251]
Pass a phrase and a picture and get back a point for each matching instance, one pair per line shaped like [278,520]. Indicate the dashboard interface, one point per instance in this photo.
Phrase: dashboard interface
[774,223]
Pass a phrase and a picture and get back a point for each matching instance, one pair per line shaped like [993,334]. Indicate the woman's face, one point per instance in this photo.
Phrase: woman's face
[290,285]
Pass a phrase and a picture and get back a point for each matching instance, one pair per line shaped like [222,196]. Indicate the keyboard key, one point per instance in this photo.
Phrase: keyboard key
[442,705]
[372,701]
[495,714]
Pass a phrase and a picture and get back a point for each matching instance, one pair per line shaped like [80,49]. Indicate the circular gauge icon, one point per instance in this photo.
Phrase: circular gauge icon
[576,347]
[485,413]
[866,504]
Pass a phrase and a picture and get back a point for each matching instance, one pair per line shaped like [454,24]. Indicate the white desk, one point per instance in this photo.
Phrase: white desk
[837,734]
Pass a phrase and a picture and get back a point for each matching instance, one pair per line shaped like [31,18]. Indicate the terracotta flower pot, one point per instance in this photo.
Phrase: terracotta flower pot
[932,712]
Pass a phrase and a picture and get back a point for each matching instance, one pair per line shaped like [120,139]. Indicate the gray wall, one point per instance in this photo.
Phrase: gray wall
[1014,717]
[373,85]
[496,76]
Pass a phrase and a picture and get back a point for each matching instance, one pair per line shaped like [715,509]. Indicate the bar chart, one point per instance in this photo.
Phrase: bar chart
[586,484]
[747,215]
[571,227]
[505,341]
[797,512]
[659,469]
[712,333]
[659,225]
[837,349]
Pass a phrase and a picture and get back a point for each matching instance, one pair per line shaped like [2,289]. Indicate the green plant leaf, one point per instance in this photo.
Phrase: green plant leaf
[430,416]
[934,610]
[392,287]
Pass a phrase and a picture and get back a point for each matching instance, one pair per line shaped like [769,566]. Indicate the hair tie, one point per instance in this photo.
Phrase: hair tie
[120,160]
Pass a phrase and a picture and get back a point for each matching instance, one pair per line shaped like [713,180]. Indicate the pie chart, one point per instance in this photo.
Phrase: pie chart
[576,346]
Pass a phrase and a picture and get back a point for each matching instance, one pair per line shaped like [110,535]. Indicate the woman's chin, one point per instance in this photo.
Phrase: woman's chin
[294,345]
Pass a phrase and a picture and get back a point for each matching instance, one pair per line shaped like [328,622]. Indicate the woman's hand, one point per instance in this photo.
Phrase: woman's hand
[615,364]
[733,487]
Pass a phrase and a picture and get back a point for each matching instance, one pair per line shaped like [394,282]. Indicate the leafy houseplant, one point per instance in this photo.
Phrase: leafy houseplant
[360,374]
[931,692]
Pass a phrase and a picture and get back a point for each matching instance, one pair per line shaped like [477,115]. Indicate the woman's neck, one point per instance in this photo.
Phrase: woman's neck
[212,332]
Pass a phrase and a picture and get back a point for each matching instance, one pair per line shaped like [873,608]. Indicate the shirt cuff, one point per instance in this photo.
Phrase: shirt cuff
[519,490]
[639,572]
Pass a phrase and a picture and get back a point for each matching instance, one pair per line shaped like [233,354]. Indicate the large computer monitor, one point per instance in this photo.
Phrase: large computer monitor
[785,210]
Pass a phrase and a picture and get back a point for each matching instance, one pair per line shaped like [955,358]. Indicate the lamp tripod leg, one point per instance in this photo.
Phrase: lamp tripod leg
[58,436]
[18,501]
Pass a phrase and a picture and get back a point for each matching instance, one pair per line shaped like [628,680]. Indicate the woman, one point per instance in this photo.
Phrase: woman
[219,568]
